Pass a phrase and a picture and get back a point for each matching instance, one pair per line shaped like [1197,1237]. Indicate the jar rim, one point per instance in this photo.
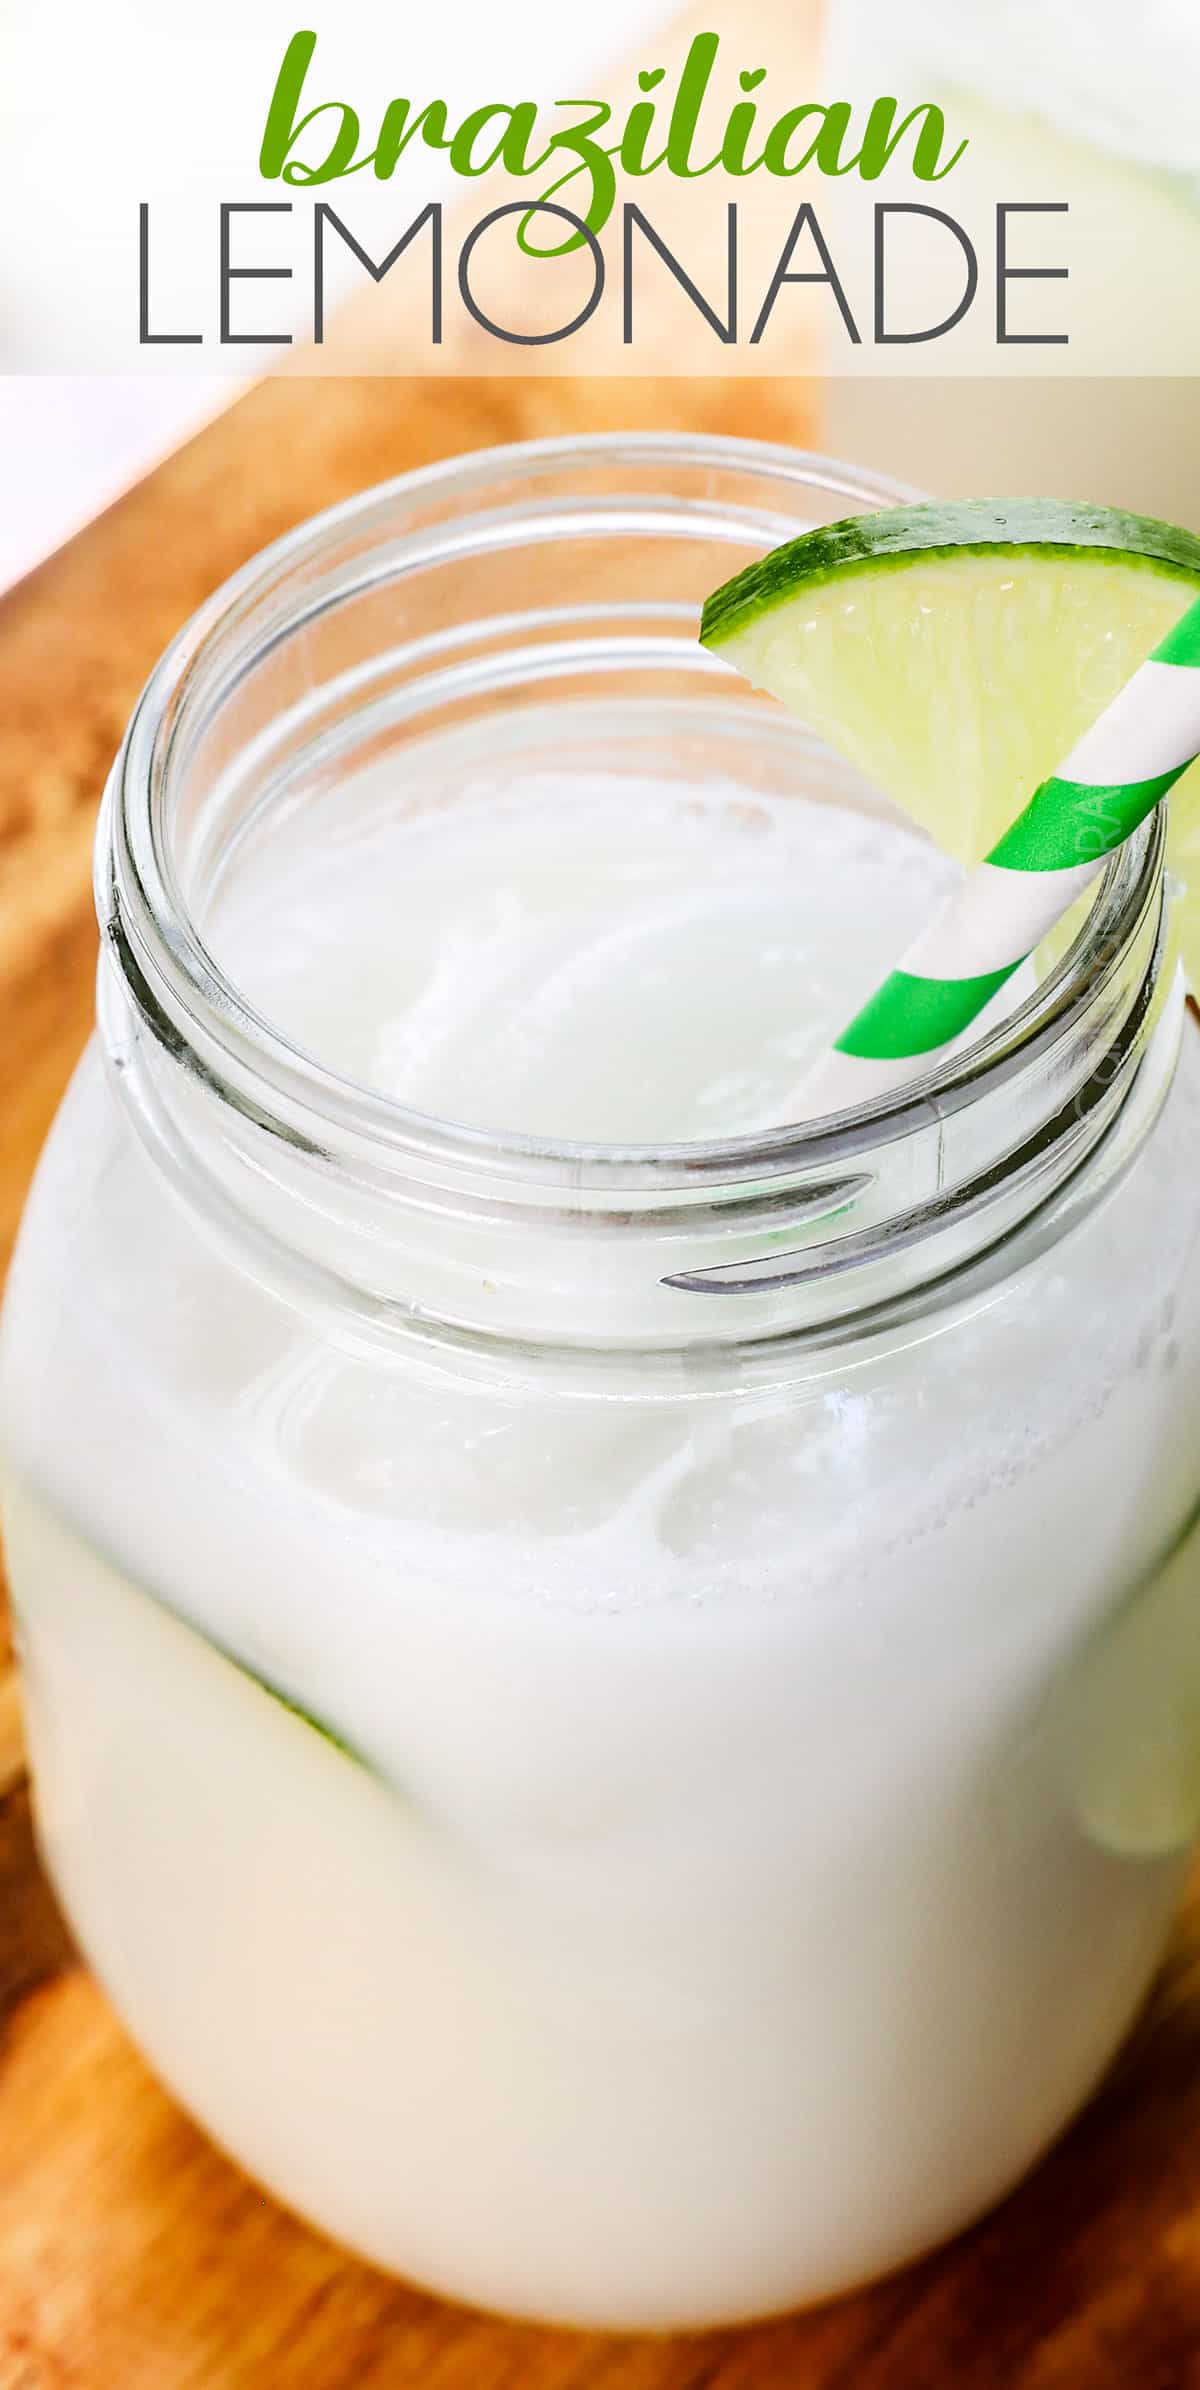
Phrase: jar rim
[142,910]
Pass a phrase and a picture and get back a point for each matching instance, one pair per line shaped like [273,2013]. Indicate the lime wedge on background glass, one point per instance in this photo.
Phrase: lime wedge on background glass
[957,652]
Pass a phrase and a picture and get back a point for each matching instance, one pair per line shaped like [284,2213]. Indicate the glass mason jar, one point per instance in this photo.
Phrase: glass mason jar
[616,1721]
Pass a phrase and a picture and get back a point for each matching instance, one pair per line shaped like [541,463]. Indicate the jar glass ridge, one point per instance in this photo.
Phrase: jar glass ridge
[283,679]
[629,1805]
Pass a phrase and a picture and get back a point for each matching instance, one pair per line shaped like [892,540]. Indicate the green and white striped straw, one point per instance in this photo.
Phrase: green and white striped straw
[987,927]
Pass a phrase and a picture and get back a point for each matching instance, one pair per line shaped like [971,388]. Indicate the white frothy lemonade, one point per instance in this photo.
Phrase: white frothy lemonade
[627,1805]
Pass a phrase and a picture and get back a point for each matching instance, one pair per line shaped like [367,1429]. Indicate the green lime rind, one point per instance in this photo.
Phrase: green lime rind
[250,1676]
[303,1717]
[874,542]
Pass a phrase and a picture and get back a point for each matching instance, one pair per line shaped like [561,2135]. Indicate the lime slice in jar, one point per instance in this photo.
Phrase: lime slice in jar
[955,653]
[1128,1720]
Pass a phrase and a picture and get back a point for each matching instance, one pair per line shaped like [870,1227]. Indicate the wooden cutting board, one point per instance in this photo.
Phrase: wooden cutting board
[132,2256]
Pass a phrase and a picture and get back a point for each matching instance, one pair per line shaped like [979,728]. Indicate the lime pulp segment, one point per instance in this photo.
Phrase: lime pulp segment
[957,653]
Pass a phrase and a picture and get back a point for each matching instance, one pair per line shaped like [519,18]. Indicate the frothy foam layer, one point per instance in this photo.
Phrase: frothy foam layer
[615,960]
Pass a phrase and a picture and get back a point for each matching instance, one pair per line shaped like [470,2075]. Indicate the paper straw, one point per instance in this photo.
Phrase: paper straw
[1116,775]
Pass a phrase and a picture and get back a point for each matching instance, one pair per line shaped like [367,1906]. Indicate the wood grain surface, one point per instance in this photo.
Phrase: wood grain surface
[131,2253]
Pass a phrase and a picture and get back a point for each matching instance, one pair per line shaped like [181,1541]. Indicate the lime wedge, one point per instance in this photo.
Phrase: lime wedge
[956,653]
[1127,1722]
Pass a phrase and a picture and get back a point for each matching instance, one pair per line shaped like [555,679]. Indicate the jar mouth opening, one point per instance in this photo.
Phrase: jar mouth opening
[200,1010]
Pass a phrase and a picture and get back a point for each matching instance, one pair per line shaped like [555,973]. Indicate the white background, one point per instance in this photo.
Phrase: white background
[103,105]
